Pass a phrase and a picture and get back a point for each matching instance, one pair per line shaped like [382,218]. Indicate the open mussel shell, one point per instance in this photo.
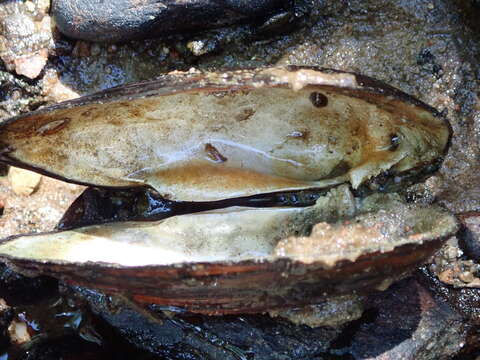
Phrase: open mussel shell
[228,141]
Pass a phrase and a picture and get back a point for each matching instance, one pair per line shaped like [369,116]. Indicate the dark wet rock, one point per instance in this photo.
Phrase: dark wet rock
[405,322]
[465,301]
[469,235]
[426,60]
[202,47]
[123,20]
[37,323]
[68,348]
[175,335]
[280,23]
[334,312]
[6,316]
[16,94]
[19,289]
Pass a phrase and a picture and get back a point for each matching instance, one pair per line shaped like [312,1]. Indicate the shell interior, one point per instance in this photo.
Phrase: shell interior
[212,141]
[238,234]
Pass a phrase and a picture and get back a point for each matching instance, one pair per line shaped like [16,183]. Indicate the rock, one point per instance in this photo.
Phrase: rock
[463,299]
[406,322]
[6,316]
[469,235]
[26,37]
[68,347]
[18,289]
[202,47]
[23,182]
[451,266]
[18,332]
[124,20]
[38,323]
[54,90]
[81,49]
[3,169]
[31,65]
[166,334]
[335,312]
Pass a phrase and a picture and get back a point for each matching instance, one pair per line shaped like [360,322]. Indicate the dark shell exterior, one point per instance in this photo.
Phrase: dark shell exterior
[245,287]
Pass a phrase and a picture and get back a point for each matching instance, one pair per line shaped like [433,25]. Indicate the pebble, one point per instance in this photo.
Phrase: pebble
[469,235]
[23,182]
[55,90]
[112,49]
[447,276]
[202,47]
[81,49]
[43,5]
[31,66]
[451,253]
[18,332]
[466,277]
[30,6]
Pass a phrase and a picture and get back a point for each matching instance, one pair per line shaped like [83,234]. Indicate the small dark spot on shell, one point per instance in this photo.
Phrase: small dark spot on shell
[135,113]
[216,128]
[394,142]
[318,99]
[53,126]
[116,122]
[245,114]
[332,140]
[213,154]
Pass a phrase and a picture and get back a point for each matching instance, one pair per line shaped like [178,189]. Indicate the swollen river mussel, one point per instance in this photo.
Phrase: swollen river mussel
[234,192]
